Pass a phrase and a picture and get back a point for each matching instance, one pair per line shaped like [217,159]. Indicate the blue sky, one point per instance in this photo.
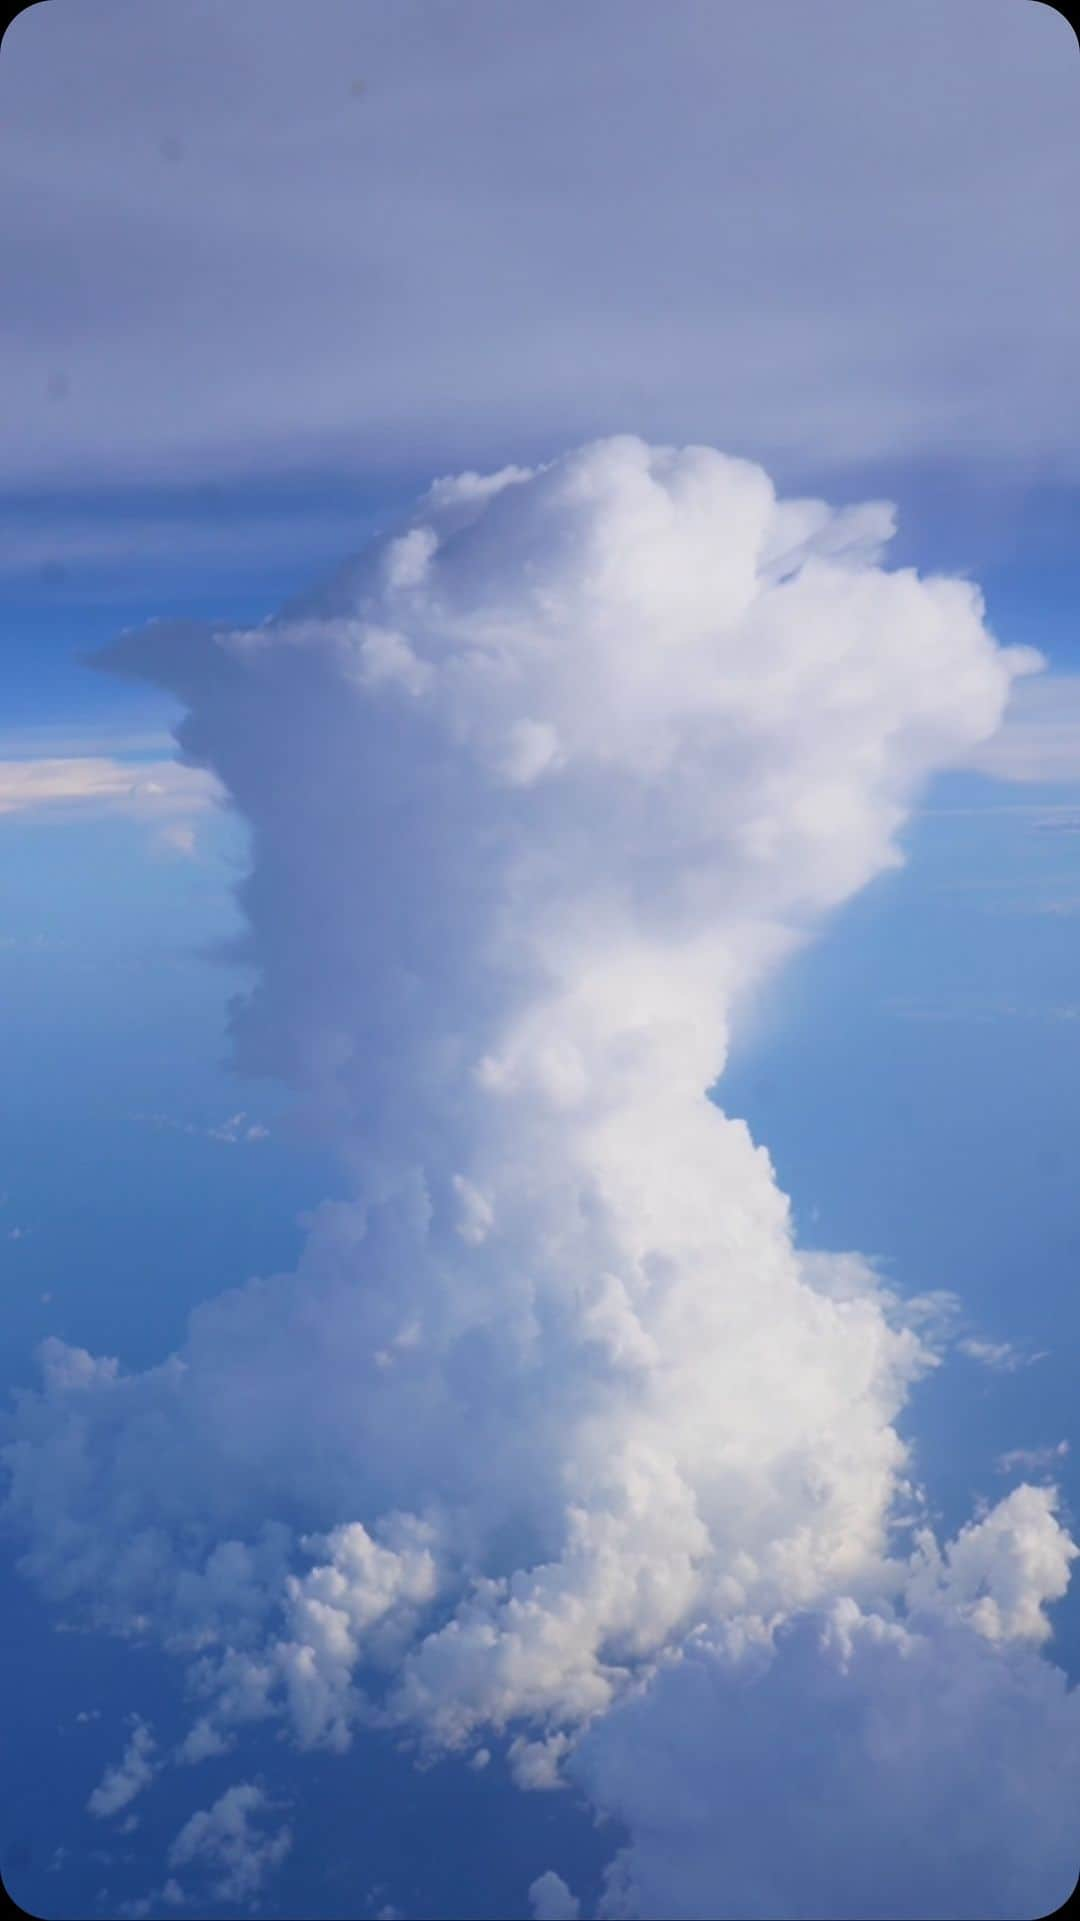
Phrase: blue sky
[268,286]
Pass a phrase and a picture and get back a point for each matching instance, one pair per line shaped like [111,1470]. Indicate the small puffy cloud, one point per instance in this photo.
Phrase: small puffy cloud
[238,1127]
[1029,1460]
[1001,1357]
[352,1604]
[551,1900]
[1001,1571]
[128,1777]
[535,1764]
[169,1895]
[380,1909]
[229,1842]
[201,1742]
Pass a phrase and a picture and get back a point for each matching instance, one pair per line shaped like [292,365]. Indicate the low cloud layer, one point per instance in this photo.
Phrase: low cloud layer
[555,1436]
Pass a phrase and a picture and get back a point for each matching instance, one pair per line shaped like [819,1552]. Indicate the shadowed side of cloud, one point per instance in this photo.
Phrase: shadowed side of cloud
[869,1769]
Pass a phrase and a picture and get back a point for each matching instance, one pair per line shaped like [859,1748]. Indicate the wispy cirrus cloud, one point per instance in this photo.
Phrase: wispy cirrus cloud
[238,1127]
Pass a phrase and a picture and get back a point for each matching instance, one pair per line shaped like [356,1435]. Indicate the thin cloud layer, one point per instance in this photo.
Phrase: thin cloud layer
[89,783]
[829,235]
[163,796]
[555,1434]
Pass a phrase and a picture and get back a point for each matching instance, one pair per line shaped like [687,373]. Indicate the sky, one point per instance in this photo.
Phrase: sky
[540,849]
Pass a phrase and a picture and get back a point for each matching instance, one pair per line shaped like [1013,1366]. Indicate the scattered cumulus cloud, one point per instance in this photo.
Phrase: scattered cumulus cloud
[551,1900]
[1000,1572]
[557,1441]
[231,1842]
[239,1128]
[1001,1357]
[159,1900]
[380,1909]
[129,1776]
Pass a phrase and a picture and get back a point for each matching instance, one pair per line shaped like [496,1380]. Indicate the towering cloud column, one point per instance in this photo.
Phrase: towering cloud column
[540,791]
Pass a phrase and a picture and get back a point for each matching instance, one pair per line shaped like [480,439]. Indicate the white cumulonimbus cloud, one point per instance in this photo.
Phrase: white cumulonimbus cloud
[554,1432]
